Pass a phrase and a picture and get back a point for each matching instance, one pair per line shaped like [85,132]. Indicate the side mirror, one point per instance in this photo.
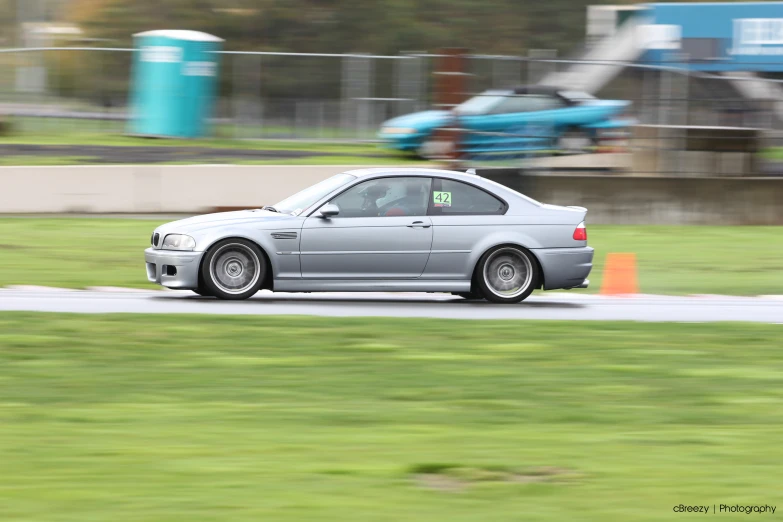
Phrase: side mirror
[329,210]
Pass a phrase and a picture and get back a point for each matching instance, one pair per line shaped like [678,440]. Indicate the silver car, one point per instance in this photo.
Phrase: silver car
[390,230]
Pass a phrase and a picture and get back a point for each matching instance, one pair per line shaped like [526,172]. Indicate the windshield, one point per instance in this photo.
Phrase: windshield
[301,200]
[576,96]
[480,104]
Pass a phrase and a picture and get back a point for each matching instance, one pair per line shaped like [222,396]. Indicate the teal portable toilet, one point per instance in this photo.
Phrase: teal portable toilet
[173,83]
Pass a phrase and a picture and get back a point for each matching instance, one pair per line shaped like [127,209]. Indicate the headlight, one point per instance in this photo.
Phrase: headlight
[178,242]
[398,130]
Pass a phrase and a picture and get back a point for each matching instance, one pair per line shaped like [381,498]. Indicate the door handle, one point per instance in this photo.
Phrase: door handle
[419,224]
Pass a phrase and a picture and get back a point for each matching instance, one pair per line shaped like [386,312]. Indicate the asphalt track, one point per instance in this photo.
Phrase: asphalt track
[554,306]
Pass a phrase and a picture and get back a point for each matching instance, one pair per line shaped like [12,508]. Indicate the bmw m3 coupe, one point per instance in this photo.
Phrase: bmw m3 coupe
[387,229]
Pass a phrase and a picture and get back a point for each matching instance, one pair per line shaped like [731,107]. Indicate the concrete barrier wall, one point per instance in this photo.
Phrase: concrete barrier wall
[659,200]
[150,188]
[195,189]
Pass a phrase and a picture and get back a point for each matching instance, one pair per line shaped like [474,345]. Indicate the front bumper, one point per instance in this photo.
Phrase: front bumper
[565,267]
[401,142]
[173,269]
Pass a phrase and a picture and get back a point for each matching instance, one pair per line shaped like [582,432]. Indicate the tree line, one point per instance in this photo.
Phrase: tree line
[336,26]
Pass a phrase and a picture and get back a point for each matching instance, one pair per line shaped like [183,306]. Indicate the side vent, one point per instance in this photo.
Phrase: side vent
[284,235]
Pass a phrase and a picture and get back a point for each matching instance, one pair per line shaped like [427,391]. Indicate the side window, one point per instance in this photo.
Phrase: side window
[546,103]
[528,103]
[451,197]
[385,197]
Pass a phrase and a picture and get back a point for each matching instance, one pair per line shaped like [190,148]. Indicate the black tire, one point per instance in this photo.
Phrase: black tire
[507,274]
[233,269]
[435,149]
[203,292]
[472,296]
[575,141]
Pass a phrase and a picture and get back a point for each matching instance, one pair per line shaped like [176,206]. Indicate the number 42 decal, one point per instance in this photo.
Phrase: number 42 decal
[441,199]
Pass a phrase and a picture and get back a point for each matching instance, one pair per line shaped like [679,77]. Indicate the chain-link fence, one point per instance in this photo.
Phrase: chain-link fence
[348,96]
[337,95]
[261,95]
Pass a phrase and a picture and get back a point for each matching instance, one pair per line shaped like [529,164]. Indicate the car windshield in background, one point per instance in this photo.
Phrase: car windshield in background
[305,198]
[480,104]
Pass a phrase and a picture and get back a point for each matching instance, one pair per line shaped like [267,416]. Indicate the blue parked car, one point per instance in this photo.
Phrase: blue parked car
[529,118]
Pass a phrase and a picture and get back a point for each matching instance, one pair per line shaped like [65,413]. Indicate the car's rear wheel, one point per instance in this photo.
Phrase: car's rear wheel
[233,269]
[507,274]
[575,141]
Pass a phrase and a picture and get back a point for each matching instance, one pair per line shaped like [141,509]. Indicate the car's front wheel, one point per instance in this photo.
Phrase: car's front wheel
[233,269]
[507,274]
[435,149]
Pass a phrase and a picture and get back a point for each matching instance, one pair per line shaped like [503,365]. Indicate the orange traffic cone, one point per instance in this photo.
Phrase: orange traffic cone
[620,275]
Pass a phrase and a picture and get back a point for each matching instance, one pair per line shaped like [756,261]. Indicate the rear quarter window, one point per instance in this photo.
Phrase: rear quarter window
[450,197]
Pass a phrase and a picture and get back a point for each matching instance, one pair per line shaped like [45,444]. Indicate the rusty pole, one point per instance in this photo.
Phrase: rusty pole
[451,74]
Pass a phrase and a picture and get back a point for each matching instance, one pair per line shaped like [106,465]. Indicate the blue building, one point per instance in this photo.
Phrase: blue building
[715,37]
[720,38]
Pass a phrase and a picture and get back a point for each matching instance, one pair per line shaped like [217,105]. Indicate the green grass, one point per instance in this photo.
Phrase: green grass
[18,161]
[75,253]
[111,140]
[22,161]
[33,127]
[696,259]
[773,154]
[335,153]
[91,133]
[151,418]
[317,160]
[116,140]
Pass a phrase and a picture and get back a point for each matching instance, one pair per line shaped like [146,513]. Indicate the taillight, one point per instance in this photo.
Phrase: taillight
[580,234]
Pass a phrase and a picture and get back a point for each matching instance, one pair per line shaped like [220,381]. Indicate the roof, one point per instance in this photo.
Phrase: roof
[570,97]
[182,34]
[421,171]
[537,89]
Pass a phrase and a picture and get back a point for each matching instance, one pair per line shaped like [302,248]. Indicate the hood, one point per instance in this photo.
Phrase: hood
[424,120]
[197,223]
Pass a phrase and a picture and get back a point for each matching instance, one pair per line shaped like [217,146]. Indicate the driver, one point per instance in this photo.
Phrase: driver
[370,197]
[414,202]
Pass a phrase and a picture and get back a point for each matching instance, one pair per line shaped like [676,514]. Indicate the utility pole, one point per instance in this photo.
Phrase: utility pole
[28,11]
[20,19]
[30,72]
